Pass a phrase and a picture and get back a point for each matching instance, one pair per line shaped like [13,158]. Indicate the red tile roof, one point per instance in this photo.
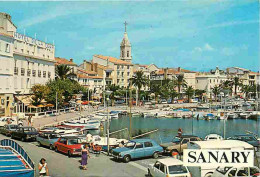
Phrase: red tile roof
[64,61]
[83,76]
[113,60]
[87,72]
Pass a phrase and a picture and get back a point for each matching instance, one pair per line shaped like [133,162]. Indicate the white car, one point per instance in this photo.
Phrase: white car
[4,120]
[169,167]
[236,172]
[211,137]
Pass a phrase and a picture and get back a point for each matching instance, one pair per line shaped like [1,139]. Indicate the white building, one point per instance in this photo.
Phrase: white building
[207,80]
[25,61]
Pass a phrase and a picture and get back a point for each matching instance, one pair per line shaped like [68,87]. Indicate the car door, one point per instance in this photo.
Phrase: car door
[44,138]
[60,144]
[156,170]
[184,144]
[138,150]
[19,133]
[148,149]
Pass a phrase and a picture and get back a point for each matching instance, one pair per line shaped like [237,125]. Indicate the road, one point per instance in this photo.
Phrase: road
[62,166]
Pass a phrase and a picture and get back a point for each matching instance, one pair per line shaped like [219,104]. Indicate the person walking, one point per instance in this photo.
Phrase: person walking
[84,157]
[43,168]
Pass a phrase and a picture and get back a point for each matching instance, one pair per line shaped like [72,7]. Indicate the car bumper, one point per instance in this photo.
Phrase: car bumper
[30,137]
[117,156]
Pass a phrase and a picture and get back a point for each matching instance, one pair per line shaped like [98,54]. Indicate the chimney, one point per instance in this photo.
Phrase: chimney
[165,73]
[71,60]
[179,69]
[95,67]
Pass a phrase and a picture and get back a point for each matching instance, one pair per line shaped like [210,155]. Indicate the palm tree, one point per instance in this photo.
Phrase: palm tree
[139,80]
[156,89]
[114,91]
[63,72]
[215,91]
[227,85]
[189,92]
[180,82]
[236,82]
[246,89]
[199,93]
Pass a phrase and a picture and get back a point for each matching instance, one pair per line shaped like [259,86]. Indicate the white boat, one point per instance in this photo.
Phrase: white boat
[244,115]
[221,116]
[232,115]
[90,126]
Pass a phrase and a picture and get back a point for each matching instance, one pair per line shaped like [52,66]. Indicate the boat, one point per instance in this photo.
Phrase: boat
[14,160]
[209,116]
[232,115]
[221,116]
[102,141]
[244,115]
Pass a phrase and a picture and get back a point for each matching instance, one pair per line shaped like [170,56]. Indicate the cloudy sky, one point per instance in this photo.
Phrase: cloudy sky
[196,35]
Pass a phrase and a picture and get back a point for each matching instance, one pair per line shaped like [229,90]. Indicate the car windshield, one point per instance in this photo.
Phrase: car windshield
[130,145]
[176,140]
[29,129]
[177,169]
[248,138]
[73,141]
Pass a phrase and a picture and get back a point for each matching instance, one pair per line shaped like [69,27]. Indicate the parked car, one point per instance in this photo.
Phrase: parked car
[163,101]
[213,137]
[8,129]
[47,139]
[137,149]
[69,145]
[236,172]
[250,139]
[120,101]
[178,144]
[169,167]
[24,133]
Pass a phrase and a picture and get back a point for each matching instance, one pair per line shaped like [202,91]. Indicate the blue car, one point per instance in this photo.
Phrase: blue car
[138,148]
[47,139]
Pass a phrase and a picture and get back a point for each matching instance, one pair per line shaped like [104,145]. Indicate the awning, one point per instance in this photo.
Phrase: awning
[49,105]
[40,106]
[27,99]
[32,106]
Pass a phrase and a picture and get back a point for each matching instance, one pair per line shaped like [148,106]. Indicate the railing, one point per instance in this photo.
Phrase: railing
[19,149]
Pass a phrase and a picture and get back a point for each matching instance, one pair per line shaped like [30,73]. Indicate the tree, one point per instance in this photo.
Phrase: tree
[216,90]
[64,89]
[236,82]
[156,89]
[139,80]
[39,93]
[246,89]
[114,91]
[63,72]
[227,85]
[199,93]
[189,92]
[180,82]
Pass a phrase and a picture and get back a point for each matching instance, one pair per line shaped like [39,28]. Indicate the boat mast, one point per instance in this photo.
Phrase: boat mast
[130,108]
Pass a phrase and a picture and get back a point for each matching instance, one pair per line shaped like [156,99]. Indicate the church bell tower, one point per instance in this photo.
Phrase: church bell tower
[125,48]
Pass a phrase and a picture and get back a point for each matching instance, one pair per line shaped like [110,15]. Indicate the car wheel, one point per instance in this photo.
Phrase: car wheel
[23,139]
[56,149]
[155,155]
[12,137]
[127,158]
[149,173]
[39,143]
[51,147]
[69,154]
[208,175]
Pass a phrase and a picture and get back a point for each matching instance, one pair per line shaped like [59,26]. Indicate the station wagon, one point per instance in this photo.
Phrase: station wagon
[137,149]
[47,139]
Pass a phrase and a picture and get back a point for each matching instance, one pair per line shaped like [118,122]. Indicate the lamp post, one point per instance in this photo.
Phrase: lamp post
[107,93]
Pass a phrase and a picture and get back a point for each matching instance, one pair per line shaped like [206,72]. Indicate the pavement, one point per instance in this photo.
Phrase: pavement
[60,165]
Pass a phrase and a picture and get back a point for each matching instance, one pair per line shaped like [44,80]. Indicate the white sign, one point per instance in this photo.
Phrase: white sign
[32,41]
[204,158]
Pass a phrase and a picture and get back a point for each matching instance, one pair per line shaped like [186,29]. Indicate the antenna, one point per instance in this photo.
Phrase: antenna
[125,26]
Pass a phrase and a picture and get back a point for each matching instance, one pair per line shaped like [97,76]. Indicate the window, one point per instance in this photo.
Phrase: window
[123,54]
[185,141]
[7,48]
[39,73]
[117,80]
[49,74]
[210,81]
[22,71]
[157,165]
[128,73]
[28,83]
[33,73]
[15,71]
[28,52]
[137,146]
[127,53]
[28,72]
[122,74]
[162,168]
[148,144]
[44,74]
[118,66]
[128,67]
[118,73]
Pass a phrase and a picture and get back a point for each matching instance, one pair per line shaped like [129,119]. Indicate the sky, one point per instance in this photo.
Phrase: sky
[193,34]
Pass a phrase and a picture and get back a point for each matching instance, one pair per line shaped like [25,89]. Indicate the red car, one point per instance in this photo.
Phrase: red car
[68,145]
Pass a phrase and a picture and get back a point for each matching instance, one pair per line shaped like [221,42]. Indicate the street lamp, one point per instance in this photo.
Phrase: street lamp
[107,93]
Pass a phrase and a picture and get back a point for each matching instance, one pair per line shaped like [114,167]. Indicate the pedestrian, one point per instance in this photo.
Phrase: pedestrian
[121,144]
[84,157]
[89,137]
[180,132]
[43,168]
[29,120]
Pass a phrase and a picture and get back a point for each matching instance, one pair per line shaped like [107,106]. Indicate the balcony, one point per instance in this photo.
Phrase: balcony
[44,74]
[39,73]
[28,72]
[22,71]
[34,73]
[15,71]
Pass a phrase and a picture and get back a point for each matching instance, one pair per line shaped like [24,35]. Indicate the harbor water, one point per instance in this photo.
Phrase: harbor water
[168,127]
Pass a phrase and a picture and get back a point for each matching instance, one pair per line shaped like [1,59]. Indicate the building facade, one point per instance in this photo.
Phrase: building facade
[25,61]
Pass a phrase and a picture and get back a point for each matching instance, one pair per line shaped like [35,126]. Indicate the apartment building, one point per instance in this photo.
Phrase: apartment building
[207,80]
[25,61]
